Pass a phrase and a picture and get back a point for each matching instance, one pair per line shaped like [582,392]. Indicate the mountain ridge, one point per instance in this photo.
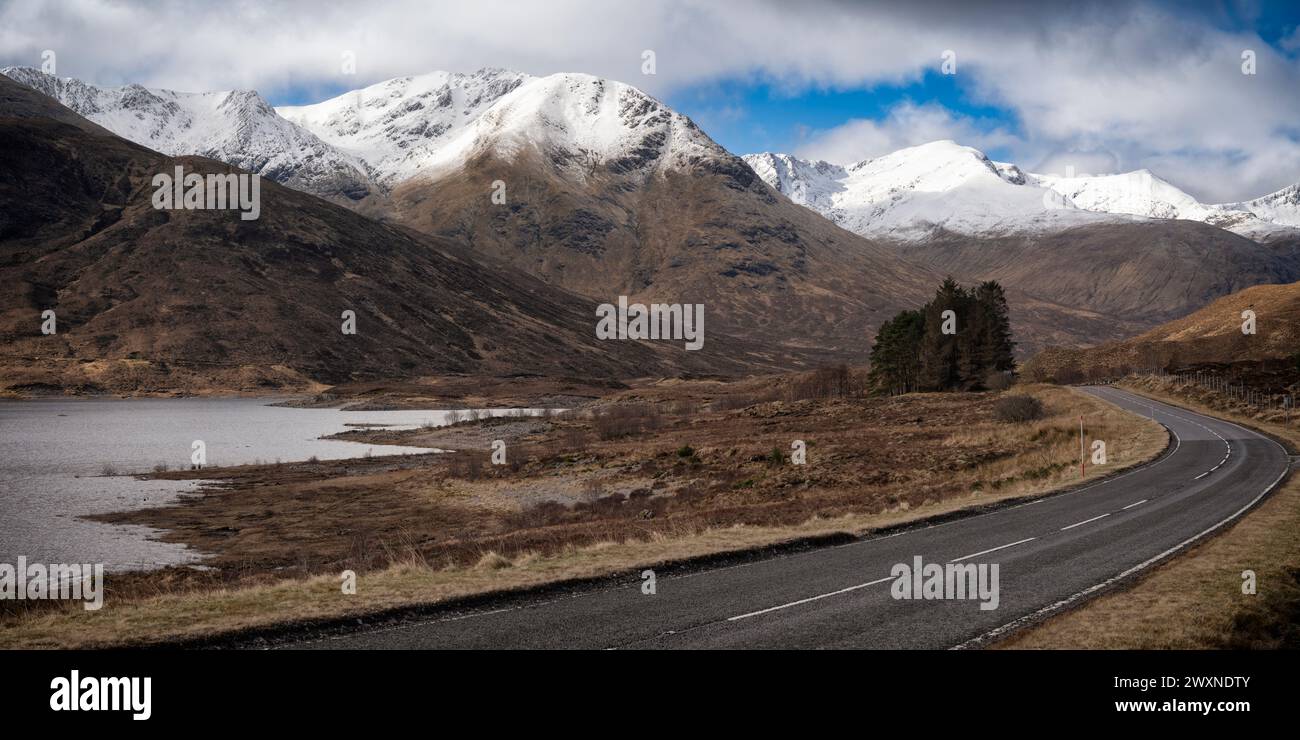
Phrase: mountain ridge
[603,190]
[885,196]
[151,299]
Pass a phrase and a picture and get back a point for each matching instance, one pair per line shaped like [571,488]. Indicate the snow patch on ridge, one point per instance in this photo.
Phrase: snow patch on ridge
[237,127]
[942,185]
[425,126]
[911,193]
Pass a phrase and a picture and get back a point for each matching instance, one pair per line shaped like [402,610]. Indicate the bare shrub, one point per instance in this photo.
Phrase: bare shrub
[998,381]
[592,490]
[1068,375]
[625,420]
[834,381]
[732,402]
[574,438]
[1018,409]
[541,514]
[467,465]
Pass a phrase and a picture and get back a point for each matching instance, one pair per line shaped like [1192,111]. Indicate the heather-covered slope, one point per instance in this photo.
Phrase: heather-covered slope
[145,296]
[1210,336]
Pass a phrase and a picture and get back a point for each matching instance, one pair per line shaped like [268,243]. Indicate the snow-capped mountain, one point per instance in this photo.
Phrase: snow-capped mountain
[396,126]
[423,126]
[237,127]
[1138,193]
[1279,209]
[912,192]
[812,184]
[370,140]
[1142,193]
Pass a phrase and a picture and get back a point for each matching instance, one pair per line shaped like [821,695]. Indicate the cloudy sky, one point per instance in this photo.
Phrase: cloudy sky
[1100,87]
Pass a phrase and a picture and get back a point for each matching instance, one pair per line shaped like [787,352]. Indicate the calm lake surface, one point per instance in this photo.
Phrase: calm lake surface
[53,453]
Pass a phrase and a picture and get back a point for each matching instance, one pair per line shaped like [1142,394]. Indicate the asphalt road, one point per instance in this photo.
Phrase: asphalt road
[1050,553]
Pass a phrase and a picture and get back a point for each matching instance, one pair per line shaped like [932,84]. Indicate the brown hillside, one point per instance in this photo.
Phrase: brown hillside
[148,297]
[767,270]
[1212,335]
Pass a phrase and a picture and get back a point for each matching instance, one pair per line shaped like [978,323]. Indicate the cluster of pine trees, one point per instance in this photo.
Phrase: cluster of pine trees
[931,350]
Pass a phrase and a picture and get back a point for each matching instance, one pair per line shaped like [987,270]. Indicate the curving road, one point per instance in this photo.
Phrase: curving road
[1051,552]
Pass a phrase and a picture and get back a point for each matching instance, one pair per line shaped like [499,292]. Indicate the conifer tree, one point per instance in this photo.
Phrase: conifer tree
[913,352]
[895,355]
[941,361]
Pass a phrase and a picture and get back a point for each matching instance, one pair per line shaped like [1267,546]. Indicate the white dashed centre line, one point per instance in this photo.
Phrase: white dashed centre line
[992,549]
[810,598]
[1135,503]
[1085,521]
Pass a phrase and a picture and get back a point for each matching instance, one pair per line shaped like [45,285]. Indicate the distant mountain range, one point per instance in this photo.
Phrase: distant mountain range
[607,191]
[369,140]
[911,193]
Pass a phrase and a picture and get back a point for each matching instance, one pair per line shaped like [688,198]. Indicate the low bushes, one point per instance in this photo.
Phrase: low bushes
[1018,409]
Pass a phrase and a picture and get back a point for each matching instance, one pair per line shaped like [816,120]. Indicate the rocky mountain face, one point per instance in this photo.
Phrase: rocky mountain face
[597,188]
[601,189]
[236,127]
[146,296]
[607,192]
[398,127]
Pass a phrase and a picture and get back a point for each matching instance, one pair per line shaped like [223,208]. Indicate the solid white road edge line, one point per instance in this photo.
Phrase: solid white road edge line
[1051,608]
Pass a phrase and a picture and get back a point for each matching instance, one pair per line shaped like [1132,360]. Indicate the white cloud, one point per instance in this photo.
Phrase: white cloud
[907,124]
[1158,85]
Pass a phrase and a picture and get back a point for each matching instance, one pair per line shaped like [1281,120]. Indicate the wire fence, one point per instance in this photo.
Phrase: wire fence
[1280,405]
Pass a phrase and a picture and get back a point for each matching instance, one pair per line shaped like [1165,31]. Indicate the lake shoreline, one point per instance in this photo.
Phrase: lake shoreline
[422,393]
[68,464]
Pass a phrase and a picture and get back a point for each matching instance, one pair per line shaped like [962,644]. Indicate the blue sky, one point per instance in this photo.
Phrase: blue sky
[748,115]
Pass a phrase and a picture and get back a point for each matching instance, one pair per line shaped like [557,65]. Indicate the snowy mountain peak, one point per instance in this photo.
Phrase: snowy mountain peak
[368,140]
[421,126]
[934,167]
[396,125]
[914,191]
[1139,193]
[588,119]
[237,127]
[1281,208]
[811,184]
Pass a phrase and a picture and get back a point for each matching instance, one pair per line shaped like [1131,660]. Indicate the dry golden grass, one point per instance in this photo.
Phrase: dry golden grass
[207,611]
[1195,601]
[1209,335]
